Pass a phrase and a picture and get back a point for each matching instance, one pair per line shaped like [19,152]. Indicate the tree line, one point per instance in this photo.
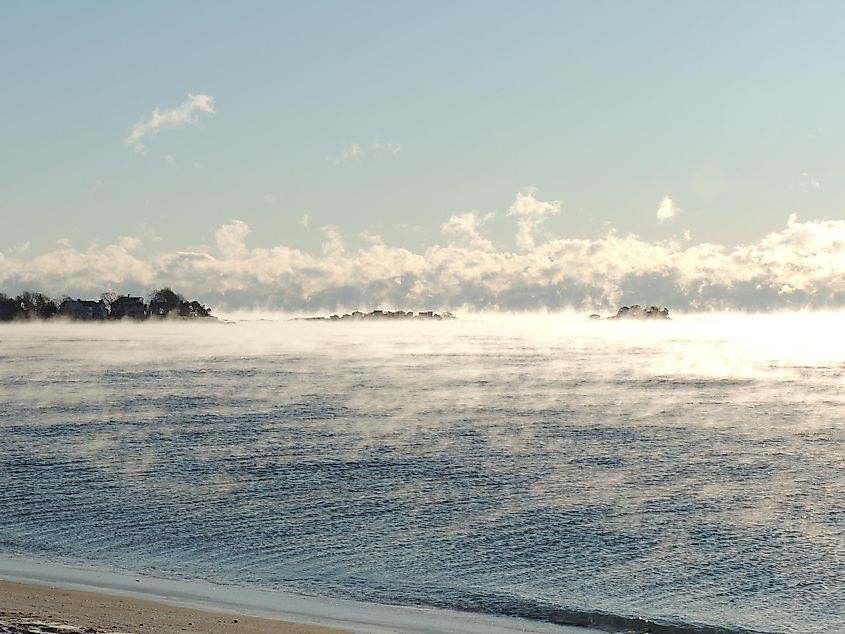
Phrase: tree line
[163,302]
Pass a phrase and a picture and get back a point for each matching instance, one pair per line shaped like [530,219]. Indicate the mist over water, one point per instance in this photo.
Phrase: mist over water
[688,472]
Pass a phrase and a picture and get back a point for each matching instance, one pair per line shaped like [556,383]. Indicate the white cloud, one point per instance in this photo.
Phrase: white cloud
[799,265]
[530,212]
[129,243]
[230,239]
[354,151]
[350,153]
[464,227]
[20,249]
[371,238]
[667,210]
[183,114]
[385,148]
[305,220]
[333,246]
[809,181]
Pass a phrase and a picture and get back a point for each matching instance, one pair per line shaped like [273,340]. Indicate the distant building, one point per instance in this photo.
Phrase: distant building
[83,309]
[127,306]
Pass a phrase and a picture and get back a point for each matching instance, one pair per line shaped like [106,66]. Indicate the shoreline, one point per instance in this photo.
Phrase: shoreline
[117,603]
[32,609]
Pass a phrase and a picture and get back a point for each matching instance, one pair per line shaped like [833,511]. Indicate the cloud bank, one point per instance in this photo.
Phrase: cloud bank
[799,265]
[183,114]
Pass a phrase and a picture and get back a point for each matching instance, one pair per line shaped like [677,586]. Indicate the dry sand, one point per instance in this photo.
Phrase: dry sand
[30,609]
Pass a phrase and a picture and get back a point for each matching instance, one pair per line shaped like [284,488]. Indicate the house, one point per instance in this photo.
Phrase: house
[84,309]
[127,306]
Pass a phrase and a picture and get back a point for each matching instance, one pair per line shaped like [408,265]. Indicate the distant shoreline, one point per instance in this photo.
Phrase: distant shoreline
[380,315]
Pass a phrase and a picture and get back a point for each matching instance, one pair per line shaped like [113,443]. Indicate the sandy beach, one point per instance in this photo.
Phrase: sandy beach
[31,609]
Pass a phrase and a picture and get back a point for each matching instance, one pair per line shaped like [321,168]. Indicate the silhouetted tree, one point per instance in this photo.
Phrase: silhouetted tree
[9,308]
[163,301]
[194,310]
[36,305]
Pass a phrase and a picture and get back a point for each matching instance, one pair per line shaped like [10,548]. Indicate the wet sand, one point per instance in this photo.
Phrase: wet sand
[31,609]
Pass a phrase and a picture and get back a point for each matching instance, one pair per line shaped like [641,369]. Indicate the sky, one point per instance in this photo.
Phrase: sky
[499,155]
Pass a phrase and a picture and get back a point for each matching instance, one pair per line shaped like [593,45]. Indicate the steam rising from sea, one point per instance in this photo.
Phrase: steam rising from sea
[548,467]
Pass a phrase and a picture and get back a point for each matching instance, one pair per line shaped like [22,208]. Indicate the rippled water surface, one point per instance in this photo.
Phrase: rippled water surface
[686,473]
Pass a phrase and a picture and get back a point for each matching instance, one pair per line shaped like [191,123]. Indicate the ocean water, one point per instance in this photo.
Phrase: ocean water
[686,475]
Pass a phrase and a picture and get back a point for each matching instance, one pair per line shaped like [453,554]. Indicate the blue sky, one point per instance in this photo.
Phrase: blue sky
[732,110]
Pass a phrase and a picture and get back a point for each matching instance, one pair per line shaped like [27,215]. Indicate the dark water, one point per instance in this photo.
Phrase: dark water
[687,475]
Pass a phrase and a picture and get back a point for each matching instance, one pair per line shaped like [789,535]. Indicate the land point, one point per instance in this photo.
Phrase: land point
[384,314]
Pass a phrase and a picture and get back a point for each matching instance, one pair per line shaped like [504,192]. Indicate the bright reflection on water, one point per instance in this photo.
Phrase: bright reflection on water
[685,472]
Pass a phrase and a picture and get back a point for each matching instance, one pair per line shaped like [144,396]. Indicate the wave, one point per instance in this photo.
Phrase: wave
[528,609]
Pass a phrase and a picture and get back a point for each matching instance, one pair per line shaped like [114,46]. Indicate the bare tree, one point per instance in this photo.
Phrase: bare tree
[109,297]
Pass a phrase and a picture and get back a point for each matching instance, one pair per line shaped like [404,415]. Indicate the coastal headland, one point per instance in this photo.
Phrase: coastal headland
[164,303]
